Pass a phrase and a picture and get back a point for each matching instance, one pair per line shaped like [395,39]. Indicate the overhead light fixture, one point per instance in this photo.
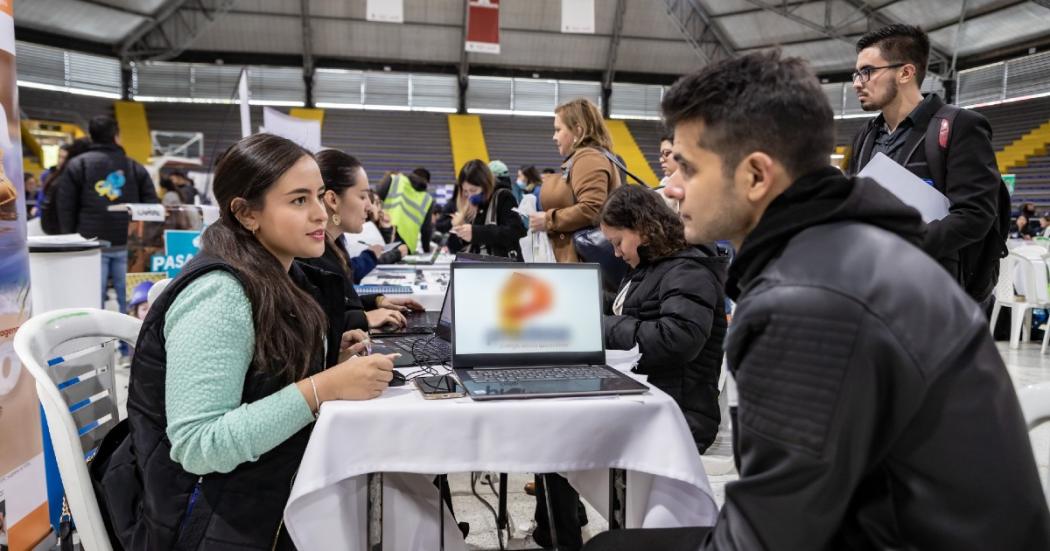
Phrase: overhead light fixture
[386,68]
[535,75]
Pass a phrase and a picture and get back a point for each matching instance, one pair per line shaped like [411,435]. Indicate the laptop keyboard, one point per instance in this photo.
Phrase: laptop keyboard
[541,374]
[433,349]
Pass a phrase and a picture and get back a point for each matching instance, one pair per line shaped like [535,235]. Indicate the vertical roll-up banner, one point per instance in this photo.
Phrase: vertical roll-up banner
[482,26]
[23,492]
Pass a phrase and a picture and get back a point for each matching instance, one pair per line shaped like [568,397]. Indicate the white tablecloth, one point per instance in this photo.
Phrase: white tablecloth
[428,282]
[401,432]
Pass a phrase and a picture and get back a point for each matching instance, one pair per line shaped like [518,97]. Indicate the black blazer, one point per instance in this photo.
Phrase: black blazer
[971,179]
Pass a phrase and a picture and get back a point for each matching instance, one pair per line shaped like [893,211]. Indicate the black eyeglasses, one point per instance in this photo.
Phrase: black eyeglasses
[864,73]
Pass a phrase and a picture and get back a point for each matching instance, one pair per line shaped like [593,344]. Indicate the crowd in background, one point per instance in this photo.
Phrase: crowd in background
[851,431]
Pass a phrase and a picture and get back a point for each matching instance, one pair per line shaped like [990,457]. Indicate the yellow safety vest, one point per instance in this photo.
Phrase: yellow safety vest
[407,208]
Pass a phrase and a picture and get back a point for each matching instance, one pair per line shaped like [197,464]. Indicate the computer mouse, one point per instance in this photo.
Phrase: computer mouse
[398,380]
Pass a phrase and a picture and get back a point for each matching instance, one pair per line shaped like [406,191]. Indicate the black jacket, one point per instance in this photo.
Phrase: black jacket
[499,239]
[426,230]
[971,181]
[675,312]
[875,411]
[355,305]
[92,182]
[148,495]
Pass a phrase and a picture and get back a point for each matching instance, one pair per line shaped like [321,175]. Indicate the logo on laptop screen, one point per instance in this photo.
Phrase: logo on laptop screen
[522,297]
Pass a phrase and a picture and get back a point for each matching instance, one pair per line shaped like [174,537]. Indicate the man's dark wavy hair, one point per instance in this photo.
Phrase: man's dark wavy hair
[757,102]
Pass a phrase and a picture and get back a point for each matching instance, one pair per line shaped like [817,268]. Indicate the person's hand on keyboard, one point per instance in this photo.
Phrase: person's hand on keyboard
[381,317]
[402,303]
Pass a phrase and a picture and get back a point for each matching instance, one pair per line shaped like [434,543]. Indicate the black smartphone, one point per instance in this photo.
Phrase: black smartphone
[439,387]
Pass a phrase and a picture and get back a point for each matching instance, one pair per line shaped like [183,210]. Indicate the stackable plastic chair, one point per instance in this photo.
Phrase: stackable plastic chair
[71,354]
[1020,305]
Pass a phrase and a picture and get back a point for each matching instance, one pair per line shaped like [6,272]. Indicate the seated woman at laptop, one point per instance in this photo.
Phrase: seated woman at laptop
[230,367]
[671,304]
[481,217]
[347,201]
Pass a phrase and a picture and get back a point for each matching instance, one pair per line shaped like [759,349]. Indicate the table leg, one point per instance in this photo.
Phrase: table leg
[501,519]
[617,499]
[375,512]
[550,511]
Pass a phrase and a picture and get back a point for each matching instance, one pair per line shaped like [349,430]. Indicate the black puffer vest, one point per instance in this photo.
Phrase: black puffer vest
[156,505]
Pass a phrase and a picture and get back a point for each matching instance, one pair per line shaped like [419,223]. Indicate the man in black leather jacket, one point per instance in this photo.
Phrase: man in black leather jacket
[875,411]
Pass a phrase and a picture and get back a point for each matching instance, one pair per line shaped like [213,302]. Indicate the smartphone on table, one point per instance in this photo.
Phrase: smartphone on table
[439,387]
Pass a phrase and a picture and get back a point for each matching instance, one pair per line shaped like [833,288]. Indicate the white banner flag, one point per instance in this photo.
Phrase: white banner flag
[304,132]
[577,16]
[385,11]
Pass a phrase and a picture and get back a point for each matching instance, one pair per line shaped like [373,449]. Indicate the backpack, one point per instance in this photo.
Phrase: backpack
[978,262]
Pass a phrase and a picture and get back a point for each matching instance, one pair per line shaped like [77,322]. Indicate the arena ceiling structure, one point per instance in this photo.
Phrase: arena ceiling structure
[649,41]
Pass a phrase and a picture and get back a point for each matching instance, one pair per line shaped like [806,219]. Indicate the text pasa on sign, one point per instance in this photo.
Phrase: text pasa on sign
[180,246]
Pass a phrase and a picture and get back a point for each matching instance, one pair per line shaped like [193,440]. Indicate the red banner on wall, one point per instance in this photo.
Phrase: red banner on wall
[482,26]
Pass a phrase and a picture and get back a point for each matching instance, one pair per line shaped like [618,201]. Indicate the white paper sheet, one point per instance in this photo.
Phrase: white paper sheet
[908,187]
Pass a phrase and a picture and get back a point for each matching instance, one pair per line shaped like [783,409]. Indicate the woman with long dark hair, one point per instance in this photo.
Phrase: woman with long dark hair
[230,367]
[671,305]
[346,199]
[484,220]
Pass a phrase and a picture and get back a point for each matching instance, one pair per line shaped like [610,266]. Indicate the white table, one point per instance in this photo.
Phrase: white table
[408,437]
[428,282]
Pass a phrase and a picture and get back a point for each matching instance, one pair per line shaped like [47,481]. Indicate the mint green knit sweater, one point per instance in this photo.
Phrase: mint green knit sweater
[209,343]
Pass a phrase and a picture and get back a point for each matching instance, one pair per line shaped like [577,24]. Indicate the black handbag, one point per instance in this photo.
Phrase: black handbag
[591,244]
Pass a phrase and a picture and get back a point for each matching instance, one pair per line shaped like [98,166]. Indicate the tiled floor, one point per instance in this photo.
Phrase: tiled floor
[1026,366]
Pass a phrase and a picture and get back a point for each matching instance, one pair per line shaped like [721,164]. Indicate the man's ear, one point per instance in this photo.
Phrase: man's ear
[907,74]
[757,172]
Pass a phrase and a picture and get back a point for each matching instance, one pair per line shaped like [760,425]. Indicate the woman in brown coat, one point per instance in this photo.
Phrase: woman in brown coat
[574,200]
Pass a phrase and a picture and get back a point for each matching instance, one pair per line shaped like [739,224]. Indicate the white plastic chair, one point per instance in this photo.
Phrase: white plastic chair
[79,407]
[1035,405]
[1018,263]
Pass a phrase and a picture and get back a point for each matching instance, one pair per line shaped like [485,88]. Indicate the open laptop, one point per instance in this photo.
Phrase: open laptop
[427,261]
[531,331]
[431,347]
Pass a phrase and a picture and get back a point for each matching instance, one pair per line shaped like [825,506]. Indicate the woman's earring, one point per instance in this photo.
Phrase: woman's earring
[336,219]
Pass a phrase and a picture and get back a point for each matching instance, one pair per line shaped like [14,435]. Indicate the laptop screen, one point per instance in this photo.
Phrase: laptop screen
[538,310]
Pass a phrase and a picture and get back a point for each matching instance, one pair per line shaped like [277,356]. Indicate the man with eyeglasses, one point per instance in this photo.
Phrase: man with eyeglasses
[949,148]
